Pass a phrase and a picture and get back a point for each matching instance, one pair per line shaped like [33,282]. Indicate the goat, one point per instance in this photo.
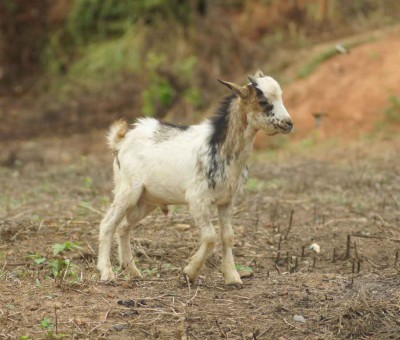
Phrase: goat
[203,165]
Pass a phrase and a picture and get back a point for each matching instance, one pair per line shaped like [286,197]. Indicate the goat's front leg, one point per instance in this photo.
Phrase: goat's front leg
[202,217]
[231,276]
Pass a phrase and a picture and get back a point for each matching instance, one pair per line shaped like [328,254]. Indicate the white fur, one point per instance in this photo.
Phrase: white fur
[156,166]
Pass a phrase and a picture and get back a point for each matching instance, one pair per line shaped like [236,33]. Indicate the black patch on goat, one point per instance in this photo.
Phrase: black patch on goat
[219,123]
[175,126]
[264,103]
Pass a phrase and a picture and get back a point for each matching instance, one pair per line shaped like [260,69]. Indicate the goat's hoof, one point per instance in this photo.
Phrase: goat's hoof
[187,279]
[133,272]
[107,276]
[236,285]
[189,275]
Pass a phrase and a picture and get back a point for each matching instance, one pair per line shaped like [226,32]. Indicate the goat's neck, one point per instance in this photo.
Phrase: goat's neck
[240,136]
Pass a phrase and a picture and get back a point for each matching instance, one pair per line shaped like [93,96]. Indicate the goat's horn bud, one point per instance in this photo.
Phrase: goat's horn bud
[259,74]
[253,80]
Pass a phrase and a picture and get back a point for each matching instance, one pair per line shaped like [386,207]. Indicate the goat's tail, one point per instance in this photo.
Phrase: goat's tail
[116,134]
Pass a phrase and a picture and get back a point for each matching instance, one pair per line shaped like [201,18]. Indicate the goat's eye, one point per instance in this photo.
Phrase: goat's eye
[260,93]
[266,106]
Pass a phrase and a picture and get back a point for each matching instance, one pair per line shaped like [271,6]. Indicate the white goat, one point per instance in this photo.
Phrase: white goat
[202,165]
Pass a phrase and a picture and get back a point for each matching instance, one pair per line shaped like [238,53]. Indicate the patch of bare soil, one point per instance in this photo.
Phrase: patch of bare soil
[350,208]
[352,89]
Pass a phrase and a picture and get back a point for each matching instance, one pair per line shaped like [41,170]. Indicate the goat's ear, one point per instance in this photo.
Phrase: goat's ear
[259,74]
[253,80]
[236,89]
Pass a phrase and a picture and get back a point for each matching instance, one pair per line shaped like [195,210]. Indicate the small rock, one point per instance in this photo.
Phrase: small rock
[244,274]
[299,318]
[120,327]
[33,307]
[182,227]
[130,312]
[127,303]
[240,229]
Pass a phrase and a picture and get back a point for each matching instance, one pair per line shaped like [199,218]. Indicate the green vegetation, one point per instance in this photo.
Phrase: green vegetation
[392,112]
[254,184]
[59,248]
[240,267]
[47,324]
[309,68]
[58,268]
[329,53]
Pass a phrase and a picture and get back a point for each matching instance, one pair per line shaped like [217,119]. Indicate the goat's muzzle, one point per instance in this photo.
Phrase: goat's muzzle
[286,126]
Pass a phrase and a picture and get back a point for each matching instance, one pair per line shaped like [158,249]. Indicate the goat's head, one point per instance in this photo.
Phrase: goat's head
[261,100]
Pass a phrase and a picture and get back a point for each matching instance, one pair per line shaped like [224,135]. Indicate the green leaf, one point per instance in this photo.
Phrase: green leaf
[46,323]
[66,246]
[240,267]
[37,258]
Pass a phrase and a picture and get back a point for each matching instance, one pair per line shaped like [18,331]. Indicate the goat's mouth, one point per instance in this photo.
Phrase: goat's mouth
[282,128]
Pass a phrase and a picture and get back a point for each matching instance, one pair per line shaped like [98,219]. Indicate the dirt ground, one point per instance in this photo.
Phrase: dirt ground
[57,190]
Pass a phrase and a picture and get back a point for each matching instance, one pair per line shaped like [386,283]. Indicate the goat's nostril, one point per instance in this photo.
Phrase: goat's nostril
[289,124]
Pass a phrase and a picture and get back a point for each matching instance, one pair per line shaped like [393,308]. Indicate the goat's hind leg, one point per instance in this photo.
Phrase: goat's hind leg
[126,258]
[122,202]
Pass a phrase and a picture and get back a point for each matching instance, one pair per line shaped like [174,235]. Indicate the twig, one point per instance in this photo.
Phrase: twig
[73,322]
[188,282]
[56,319]
[221,330]
[106,315]
[298,328]
[263,332]
[94,327]
[15,264]
[348,246]
[290,224]
[193,297]
[88,207]
[356,252]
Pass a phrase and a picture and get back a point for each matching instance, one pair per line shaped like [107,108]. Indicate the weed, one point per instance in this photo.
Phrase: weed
[37,258]
[392,112]
[151,272]
[88,183]
[61,267]
[46,323]
[240,267]
[66,246]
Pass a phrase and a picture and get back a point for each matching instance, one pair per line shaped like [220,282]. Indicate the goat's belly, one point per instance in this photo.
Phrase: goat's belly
[163,195]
